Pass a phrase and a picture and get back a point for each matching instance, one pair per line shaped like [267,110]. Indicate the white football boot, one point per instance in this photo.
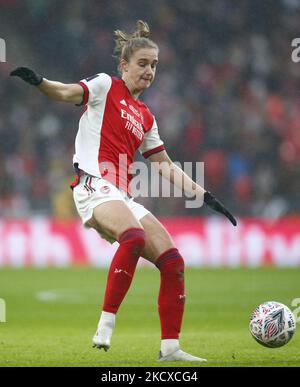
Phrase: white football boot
[104,331]
[179,355]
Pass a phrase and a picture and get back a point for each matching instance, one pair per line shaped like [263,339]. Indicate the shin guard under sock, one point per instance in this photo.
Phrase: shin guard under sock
[171,293]
[122,268]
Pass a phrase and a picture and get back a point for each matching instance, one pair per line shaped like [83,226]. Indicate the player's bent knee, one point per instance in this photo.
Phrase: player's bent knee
[136,238]
[171,261]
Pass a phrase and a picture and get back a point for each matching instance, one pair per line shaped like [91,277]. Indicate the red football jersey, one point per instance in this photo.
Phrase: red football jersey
[113,126]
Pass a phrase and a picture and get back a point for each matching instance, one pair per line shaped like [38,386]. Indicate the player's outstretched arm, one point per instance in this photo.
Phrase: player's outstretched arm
[72,93]
[180,179]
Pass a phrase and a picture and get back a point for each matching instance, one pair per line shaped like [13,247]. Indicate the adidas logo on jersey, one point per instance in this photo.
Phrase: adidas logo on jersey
[123,102]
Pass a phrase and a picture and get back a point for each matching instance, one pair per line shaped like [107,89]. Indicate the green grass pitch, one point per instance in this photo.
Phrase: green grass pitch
[52,314]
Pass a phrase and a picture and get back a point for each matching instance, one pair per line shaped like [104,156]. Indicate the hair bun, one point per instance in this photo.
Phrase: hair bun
[142,30]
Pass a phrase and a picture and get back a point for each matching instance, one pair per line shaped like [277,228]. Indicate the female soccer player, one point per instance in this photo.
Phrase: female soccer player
[115,122]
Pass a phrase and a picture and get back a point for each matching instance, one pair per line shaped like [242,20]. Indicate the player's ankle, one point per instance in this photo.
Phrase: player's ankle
[168,346]
[107,320]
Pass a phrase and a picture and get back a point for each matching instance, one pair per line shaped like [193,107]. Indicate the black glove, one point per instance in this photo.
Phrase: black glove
[214,203]
[27,75]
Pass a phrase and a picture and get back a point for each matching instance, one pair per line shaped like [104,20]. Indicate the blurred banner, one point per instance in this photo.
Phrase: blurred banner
[202,242]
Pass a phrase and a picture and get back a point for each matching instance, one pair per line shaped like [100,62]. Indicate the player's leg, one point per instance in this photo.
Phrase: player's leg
[160,249]
[115,220]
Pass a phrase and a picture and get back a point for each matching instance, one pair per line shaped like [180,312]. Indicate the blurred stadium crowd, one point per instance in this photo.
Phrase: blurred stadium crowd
[226,93]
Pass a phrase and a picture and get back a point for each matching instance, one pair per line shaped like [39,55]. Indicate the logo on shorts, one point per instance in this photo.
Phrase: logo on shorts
[105,189]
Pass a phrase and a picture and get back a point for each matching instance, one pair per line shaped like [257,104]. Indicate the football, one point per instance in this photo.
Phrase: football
[272,324]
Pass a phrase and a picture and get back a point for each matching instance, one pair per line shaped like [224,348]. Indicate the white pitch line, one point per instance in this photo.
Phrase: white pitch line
[68,296]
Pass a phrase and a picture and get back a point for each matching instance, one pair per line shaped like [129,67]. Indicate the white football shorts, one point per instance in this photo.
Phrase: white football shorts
[92,191]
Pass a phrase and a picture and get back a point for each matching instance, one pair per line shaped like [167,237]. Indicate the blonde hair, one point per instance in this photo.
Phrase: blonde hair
[127,45]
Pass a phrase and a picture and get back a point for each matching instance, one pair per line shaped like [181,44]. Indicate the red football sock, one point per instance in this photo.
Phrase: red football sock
[122,268]
[171,293]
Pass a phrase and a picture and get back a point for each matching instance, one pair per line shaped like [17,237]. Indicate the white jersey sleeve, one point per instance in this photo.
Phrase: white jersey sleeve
[152,142]
[95,88]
